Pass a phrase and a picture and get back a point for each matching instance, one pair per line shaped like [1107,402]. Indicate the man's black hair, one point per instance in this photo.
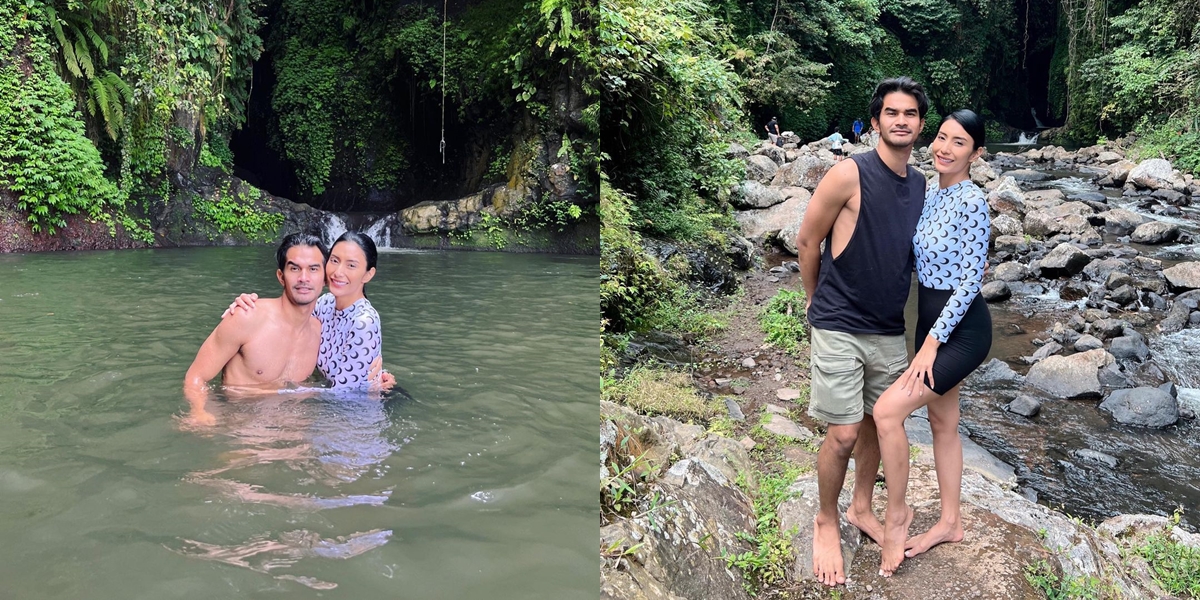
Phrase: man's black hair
[972,123]
[302,238]
[899,84]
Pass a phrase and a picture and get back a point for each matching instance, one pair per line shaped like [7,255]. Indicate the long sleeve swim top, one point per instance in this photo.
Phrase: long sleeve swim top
[350,341]
[951,249]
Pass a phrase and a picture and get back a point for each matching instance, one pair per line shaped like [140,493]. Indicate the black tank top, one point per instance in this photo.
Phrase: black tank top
[865,288]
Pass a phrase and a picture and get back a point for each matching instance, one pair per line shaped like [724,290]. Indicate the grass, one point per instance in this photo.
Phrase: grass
[782,320]
[653,391]
[1042,577]
[1176,566]
[771,554]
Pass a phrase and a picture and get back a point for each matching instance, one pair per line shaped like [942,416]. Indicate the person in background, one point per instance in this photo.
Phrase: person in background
[772,128]
[858,125]
[836,140]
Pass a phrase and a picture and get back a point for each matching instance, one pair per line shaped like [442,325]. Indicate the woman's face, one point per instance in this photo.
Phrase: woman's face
[346,272]
[952,149]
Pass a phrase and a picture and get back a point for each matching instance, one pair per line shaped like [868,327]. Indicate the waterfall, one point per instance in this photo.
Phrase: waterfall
[380,233]
[1023,140]
[1036,121]
[332,228]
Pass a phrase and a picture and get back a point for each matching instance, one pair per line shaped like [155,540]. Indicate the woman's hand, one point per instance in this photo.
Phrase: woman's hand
[380,380]
[244,301]
[921,368]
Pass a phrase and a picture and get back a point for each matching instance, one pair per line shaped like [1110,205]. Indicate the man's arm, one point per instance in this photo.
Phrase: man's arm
[834,190]
[220,347]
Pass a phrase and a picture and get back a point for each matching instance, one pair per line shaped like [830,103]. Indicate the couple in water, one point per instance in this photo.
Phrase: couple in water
[878,222]
[275,343]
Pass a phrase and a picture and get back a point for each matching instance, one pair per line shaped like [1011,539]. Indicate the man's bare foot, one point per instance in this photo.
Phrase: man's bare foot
[941,532]
[827,553]
[892,548]
[866,522]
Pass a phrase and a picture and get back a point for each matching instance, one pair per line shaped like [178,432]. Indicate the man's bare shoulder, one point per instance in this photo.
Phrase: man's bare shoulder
[265,310]
[839,185]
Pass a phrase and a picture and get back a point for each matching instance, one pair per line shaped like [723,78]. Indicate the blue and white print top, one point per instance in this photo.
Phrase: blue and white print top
[951,249]
[350,341]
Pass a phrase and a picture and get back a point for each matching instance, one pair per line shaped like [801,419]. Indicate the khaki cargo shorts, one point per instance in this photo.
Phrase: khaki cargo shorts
[850,371]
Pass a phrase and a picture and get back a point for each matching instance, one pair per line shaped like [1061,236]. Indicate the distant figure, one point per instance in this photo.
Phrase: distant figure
[858,125]
[772,128]
[836,140]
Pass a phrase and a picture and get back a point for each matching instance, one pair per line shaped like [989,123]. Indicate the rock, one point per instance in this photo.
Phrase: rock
[995,372]
[995,291]
[741,252]
[1088,342]
[1069,376]
[1183,276]
[443,215]
[1044,352]
[748,363]
[1143,407]
[735,411]
[1010,271]
[1147,263]
[1108,328]
[1117,279]
[760,168]
[806,172]
[1099,270]
[773,152]
[982,173]
[1006,225]
[787,393]
[1107,158]
[1112,377]
[1064,260]
[737,150]
[799,512]
[1119,171]
[1026,406]
[1007,199]
[1073,290]
[1155,232]
[1097,457]
[1154,173]
[758,224]
[782,426]
[1171,197]
[1169,387]
[1119,221]
[1089,197]
[1045,223]
[1012,243]
[1028,175]
[1124,295]
[752,194]
[1043,199]
[1129,347]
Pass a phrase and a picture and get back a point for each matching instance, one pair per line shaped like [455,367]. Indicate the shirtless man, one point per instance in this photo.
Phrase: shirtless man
[270,347]
[866,211]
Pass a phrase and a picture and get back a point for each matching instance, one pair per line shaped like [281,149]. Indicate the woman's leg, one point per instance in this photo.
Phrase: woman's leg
[948,462]
[890,411]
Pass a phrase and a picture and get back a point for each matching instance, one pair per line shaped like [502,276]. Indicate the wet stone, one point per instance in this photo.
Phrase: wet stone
[1026,406]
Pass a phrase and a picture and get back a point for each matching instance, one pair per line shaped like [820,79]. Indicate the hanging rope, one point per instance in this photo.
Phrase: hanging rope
[442,145]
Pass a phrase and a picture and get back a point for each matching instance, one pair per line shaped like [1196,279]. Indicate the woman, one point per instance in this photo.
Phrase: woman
[954,334]
[351,342]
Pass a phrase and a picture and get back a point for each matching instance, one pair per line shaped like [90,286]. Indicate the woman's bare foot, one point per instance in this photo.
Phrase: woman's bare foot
[941,532]
[866,522]
[827,553]
[892,549]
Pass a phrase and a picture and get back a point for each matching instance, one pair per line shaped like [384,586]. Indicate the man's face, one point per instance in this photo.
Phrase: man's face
[900,120]
[303,275]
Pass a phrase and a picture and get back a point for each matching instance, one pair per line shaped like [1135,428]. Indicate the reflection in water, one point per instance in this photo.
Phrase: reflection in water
[320,441]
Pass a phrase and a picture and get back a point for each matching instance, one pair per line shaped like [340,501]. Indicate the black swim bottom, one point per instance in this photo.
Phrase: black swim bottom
[836,151]
[968,345]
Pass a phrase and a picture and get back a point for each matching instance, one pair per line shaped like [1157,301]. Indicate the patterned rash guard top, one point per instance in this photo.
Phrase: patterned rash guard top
[951,249]
[350,341]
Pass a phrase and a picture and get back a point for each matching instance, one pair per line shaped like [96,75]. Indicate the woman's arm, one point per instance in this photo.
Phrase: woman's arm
[973,242]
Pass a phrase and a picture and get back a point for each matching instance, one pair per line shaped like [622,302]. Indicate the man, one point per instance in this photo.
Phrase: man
[266,349]
[866,211]
[858,125]
[772,128]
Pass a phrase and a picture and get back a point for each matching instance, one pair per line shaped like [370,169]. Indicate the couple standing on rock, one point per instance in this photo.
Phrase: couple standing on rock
[877,220]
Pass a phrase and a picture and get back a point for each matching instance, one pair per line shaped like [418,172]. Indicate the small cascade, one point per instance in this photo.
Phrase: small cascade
[1176,355]
[1036,121]
[1024,140]
[332,228]
[381,232]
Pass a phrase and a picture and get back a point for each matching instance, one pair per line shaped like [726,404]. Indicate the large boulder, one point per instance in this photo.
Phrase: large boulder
[1130,347]
[1006,225]
[1072,376]
[1119,171]
[760,168]
[1028,175]
[1108,158]
[765,222]
[773,152]
[1155,232]
[982,173]
[1010,271]
[995,291]
[1119,221]
[806,172]
[1006,198]
[1154,173]
[1143,407]
[1184,276]
[1065,260]
[752,194]
[1044,198]
[443,215]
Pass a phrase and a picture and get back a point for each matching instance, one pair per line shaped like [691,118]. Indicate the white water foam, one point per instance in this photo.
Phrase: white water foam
[332,229]
[1023,140]
[380,233]
[1178,354]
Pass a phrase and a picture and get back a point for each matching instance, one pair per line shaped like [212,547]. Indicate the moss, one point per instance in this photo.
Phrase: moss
[658,392]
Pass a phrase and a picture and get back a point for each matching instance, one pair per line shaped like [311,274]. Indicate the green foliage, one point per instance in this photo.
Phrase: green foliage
[768,562]
[782,319]
[653,391]
[1176,566]
[1044,579]
[45,156]
[1177,139]
[215,153]
[233,212]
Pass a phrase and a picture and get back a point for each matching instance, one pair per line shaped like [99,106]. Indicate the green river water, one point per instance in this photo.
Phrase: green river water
[478,482]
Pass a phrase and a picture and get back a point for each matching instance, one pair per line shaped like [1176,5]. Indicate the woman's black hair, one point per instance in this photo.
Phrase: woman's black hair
[362,241]
[972,123]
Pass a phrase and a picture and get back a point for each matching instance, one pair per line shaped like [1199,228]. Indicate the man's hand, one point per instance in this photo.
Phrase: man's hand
[244,301]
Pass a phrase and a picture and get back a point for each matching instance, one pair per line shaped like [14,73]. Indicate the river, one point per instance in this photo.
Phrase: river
[476,479]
